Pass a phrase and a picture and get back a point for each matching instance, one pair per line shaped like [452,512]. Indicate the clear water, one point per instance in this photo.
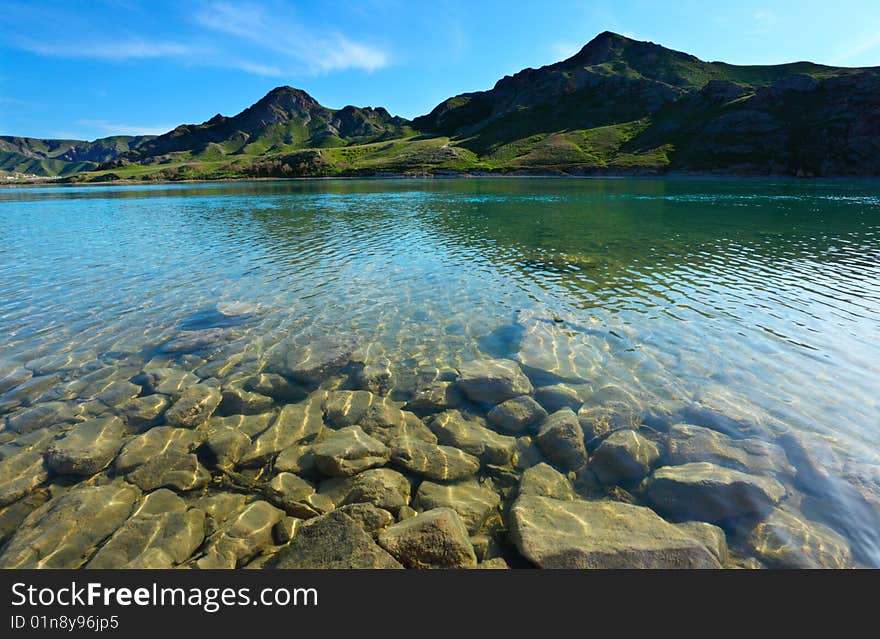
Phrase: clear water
[758,297]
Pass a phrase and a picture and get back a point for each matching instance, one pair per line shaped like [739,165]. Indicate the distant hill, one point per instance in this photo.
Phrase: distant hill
[61,157]
[618,106]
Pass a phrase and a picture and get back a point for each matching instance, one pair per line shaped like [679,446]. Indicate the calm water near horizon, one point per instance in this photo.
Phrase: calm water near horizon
[751,307]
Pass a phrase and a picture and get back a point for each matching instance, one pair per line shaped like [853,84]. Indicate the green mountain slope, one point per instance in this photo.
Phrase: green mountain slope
[62,157]
[285,119]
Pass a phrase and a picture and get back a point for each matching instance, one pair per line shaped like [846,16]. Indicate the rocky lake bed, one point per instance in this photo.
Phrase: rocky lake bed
[311,458]
[451,374]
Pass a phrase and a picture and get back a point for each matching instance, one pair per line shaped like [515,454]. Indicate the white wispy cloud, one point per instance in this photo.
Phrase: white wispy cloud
[297,48]
[126,49]
[765,20]
[113,128]
[861,47]
[261,39]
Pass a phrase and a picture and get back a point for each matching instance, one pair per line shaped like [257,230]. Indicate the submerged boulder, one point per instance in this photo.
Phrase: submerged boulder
[434,539]
[707,492]
[783,540]
[382,487]
[242,537]
[561,440]
[42,415]
[601,534]
[443,463]
[173,469]
[153,443]
[314,362]
[378,416]
[469,433]
[624,457]
[195,405]
[295,424]
[161,522]
[545,481]
[349,451]
[332,541]
[88,448]
[20,473]
[517,415]
[64,532]
[687,443]
[475,502]
[493,381]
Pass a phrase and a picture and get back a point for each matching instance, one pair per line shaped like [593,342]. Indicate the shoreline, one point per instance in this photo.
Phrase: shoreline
[673,176]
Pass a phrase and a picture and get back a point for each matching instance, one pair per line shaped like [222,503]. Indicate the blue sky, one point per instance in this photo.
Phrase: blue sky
[88,69]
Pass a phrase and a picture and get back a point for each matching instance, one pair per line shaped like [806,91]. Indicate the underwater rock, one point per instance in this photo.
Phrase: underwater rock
[711,536]
[558,396]
[162,522]
[296,459]
[517,415]
[237,401]
[142,412]
[601,534]
[241,537]
[435,397]
[197,340]
[292,487]
[469,433]
[276,387]
[597,421]
[382,487]
[624,457]
[561,440]
[332,541]
[172,469]
[373,520]
[42,415]
[296,424]
[88,448]
[378,416]
[20,473]
[166,381]
[687,443]
[313,363]
[154,443]
[349,451]
[492,381]
[434,539]
[545,481]
[707,492]
[11,375]
[376,377]
[475,502]
[783,540]
[194,406]
[552,352]
[228,445]
[64,532]
[435,462]
[285,530]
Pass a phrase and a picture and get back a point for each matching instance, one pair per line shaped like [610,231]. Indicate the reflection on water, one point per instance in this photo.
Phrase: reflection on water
[749,307]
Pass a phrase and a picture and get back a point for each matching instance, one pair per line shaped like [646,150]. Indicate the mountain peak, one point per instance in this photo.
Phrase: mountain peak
[286,96]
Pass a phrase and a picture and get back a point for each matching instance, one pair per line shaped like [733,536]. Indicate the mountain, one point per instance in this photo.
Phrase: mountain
[61,157]
[285,119]
[618,106]
[623,104]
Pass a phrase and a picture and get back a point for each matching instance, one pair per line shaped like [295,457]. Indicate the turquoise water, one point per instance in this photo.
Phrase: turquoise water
[755,300]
